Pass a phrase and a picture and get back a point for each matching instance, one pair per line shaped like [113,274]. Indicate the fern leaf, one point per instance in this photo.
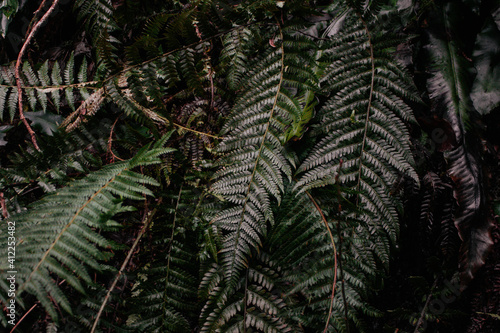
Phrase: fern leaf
[60,232]
[366,144]
[68,79]
[254,157]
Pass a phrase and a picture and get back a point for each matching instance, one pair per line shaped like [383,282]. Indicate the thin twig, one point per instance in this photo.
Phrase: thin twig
[22,318]
[422,314]
[110,142]
[3,205]
[148,216]
[19,84]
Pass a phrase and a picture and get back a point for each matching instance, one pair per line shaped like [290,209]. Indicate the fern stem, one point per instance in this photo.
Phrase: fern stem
[31,34]
[110,141]
[245,300]
[344,299]
[58,87]
[368,109]
[148,217]
[320,211]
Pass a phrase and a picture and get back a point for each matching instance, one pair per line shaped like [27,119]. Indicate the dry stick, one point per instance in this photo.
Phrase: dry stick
[335,257]
[110,142]
[422,314]
[147,220]
[22,318]
[31,34]
[3,205]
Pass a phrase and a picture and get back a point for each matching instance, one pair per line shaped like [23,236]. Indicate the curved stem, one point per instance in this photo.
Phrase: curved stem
[323,218]
[19,84]
[148,216]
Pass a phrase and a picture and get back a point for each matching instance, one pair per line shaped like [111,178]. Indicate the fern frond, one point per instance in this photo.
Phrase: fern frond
[254,304]
[235,54]
[366,143]
[164,296]
[97,15]
[254,156]
[60,232]
[44,85]
[300,244]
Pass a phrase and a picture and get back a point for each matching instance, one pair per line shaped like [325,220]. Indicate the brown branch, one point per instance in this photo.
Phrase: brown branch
[3,205]
[422,314]
[19,84]
[110,143]
[22,318]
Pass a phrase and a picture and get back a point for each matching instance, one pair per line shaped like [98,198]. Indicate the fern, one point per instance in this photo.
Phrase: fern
[165,290]
[97,15]
[44,85]
[59,232]
[77,152]
[365,141]
[283,221]
[255,160]
[302,246]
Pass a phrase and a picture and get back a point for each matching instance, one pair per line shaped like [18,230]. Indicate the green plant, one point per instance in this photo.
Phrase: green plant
[220,166]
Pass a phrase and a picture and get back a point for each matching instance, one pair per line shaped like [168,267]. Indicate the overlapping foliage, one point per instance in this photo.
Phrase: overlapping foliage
[223,167]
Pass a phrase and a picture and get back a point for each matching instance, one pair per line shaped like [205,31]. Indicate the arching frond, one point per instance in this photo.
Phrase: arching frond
[59,233]
[365,143]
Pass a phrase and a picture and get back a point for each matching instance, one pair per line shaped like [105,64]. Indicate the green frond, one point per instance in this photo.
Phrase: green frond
[44,85]
[366,144]
[165,293]
[254,156]
[235,54]
[61,231]
[254,303]
[97,15]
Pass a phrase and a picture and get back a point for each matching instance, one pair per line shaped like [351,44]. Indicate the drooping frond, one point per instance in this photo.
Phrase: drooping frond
[366,143]
[255,161]
[77,152]
[301,244]
[60,233]
[254,303]
[237,46]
